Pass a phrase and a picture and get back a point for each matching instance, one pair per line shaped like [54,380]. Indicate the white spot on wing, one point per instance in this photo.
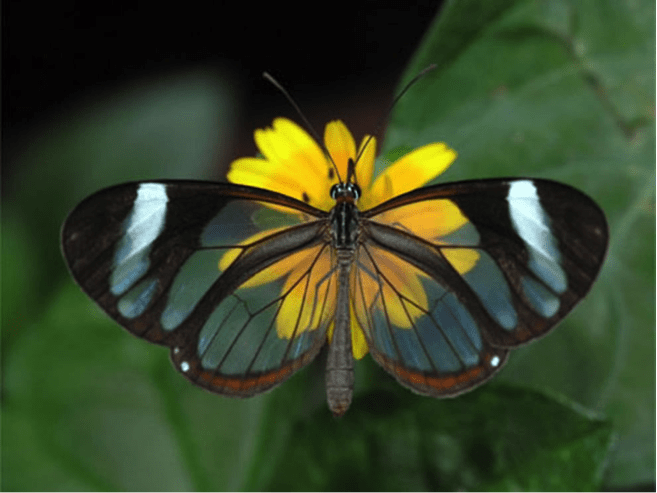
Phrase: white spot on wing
[184,366]
[147,218]
[142,227]
[529,219]
[533,225]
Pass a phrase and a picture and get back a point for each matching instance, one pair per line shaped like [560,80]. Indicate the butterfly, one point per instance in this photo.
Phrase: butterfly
[247,281]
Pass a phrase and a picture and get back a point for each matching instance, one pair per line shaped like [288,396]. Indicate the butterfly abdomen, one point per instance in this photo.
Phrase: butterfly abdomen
[340,361]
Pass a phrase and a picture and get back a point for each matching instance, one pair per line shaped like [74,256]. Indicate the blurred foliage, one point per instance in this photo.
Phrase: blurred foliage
[554,89]
[495,438]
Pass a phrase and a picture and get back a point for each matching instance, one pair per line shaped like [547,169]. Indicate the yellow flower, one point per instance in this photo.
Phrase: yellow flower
[295,165]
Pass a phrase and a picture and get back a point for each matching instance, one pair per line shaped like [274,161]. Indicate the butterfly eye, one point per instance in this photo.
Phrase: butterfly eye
[346,190]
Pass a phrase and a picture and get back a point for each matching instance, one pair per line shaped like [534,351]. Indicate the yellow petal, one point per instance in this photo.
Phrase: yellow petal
[462,259]
[365,164]
[308,297]
[379,193]
[252,172]
[340,144]
[256,172]
[290,146]
[408,292]
[405,282]
[283,267]
[358,343]
[359,346]
[429,219]
[416,168]
[230,255]
[293,165]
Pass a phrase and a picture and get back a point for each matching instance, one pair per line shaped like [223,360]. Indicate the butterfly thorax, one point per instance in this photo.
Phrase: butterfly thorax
[344,220]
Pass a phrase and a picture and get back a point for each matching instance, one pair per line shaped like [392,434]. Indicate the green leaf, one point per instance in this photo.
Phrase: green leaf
[496,438]
[22,278]
[98,409]
[562,90]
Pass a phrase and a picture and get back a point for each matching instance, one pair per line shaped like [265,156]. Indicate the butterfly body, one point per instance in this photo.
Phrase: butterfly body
[345,232]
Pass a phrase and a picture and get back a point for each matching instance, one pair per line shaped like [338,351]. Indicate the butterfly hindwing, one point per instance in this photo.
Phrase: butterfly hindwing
[216,272]
[416,328]
[454,275]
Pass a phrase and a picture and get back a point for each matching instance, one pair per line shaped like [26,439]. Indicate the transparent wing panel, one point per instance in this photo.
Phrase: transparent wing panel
[417,328]
[271,319]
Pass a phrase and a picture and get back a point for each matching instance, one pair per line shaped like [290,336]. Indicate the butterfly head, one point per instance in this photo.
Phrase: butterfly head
[347,191]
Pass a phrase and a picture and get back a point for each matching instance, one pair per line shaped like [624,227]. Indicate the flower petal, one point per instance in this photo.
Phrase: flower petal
[308,299]
[462,259]
[365,164]
[416,168]
[257,172]
[359,346]
[290,146]
[230,255]
[283,267]
[293,164]
[398,280]
[379,193]
[429,219]
[340,145]
[358,342]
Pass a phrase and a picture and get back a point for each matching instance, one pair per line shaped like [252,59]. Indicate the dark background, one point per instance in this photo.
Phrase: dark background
[336,53]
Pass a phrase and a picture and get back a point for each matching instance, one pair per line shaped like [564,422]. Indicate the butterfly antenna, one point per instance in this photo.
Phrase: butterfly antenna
[312,130]
[386,114]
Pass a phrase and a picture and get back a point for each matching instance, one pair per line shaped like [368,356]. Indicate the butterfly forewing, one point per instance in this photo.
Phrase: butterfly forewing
[451,276]
[238,282]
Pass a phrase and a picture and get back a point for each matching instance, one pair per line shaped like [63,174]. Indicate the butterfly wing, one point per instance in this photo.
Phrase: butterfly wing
[452,276]
[235,280]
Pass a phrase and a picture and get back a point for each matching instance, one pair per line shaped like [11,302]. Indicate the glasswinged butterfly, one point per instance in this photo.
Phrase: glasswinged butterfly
[245,282]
